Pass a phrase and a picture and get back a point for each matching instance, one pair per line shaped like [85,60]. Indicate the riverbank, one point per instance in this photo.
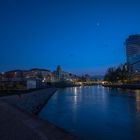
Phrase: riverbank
[123,86]
[18,119]
[18,91]
[30,102]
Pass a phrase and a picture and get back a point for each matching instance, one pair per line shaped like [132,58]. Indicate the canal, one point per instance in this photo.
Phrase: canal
[95,112]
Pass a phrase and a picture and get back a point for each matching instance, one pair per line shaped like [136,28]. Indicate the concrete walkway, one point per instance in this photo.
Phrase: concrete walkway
[19,124]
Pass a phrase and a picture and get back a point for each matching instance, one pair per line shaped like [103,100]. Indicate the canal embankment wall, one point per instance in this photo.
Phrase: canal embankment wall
[30,102]
[17,119]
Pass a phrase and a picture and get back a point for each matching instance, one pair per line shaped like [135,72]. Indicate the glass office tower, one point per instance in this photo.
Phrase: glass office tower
[133,56]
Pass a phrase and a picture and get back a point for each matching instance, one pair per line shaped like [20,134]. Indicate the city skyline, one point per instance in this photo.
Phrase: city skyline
[82,36]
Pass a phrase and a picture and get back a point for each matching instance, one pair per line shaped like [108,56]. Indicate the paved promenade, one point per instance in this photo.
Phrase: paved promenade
[18,122]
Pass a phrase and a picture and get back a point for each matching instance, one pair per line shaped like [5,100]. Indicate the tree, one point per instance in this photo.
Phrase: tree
[119,74]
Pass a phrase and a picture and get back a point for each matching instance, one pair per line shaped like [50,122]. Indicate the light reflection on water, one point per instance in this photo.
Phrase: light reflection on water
[138,100]
[96,112]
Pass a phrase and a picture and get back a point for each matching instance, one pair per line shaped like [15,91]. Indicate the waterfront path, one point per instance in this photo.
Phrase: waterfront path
[18,122]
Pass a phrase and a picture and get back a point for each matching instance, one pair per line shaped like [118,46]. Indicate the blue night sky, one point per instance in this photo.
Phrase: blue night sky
[83,36]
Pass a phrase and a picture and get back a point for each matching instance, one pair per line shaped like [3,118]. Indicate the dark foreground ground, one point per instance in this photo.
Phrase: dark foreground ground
[18,122]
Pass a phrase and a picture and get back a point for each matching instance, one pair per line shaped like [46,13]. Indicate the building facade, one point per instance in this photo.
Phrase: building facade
[60,75]
[133,56]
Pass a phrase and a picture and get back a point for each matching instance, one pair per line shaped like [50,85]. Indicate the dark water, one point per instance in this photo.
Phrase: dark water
[96,113]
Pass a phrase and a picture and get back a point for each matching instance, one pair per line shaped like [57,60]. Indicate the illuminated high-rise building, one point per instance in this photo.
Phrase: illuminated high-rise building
[133,56]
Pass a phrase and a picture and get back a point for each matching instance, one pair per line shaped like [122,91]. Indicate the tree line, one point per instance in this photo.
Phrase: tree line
[117,74]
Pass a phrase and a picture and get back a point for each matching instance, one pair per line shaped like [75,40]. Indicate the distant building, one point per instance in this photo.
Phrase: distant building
[34,78]
[33,83]
[20,84]
[133,56]
[24,79]
[13,74]
[60,75]
[37,73]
